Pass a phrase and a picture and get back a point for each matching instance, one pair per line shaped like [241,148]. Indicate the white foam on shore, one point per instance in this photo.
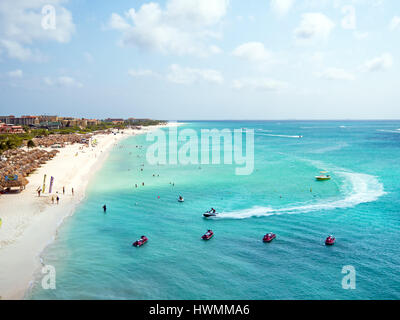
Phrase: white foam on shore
[358,188]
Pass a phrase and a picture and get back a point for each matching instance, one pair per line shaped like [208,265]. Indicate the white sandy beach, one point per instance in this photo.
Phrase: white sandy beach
[30,223]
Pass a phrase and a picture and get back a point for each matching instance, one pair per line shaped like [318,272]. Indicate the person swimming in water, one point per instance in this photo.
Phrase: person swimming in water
[105,208]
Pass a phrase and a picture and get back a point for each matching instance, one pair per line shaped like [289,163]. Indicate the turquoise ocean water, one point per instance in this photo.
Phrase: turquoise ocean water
[94,258]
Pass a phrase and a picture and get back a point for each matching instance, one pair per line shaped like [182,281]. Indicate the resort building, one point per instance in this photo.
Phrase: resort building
[73,122]
[23,120]
[114,121]
[44,118]
[10,128]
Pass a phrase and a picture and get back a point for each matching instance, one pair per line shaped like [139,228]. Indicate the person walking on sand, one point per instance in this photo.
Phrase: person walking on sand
[58,199]
[52,199]
[63,190]
[38,191]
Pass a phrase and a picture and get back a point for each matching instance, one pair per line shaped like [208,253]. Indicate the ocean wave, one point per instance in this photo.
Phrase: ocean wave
[330,148]
[263,130]
[280,135]
[391,131]
[358,188]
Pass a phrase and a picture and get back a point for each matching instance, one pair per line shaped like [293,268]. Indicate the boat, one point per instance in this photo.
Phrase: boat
[210,214]
[208,235]
[269,237]
[140,242]
[330,240]
[323,176]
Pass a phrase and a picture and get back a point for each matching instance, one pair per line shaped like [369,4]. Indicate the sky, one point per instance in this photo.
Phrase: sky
[201,59]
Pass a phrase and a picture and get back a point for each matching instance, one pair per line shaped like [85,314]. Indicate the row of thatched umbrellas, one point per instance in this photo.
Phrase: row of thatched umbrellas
[20,163]
[61,139]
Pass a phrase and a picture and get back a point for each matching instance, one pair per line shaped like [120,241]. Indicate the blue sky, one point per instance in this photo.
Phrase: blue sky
[201,59]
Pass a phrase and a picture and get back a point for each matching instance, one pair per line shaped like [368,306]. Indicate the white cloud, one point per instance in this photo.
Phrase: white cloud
[361,35]
[63,81]
[118,23]
[48,81]
[140,73]
[336,74]
[313,27]
[215,49]
[394,23]
[180,75]
[253,51]
[349,20]
[184,27]
[281,7]
[263,84]
[384,62]
[88,57]
[15,50]
[21,26]
[317,58]
[15,74]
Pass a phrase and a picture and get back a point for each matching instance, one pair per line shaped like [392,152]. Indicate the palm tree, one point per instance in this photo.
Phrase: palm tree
[30,144]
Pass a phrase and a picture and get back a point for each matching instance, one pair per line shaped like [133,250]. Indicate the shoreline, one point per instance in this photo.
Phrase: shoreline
[30,223]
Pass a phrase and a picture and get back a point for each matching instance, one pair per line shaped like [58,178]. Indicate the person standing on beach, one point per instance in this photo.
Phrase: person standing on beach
[58,199]
[63,190]
[72,191]
[38,191]
[52,199]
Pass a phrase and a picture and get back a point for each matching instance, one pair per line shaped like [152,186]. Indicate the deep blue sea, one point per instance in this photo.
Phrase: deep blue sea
[360,205]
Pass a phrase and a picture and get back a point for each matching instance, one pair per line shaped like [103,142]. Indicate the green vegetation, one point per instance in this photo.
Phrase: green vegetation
[12,141]
[144,122]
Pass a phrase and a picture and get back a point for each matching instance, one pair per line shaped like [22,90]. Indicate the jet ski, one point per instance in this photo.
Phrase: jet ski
[323,176]
[269,237]
[210,213]
[208,235]
[330,241]
[140,242]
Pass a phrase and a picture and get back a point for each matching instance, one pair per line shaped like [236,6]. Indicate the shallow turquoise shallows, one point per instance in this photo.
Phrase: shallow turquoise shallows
[94,257]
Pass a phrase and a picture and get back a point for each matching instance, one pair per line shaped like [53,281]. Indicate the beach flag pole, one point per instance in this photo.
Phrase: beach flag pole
[44,183]
[51,184]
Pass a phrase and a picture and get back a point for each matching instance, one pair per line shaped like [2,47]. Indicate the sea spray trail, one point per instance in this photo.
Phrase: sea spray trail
[364,188]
